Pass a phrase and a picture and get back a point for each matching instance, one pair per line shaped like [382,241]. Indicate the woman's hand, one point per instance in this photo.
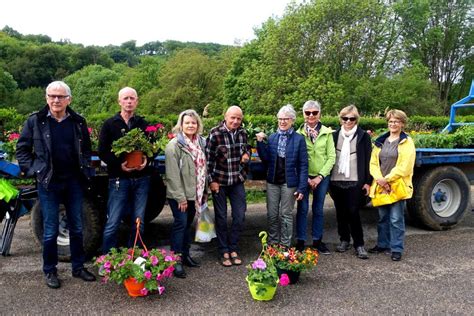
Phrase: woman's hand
[260,136]
[299,196]
[183,206]
[143,165]
[366,188]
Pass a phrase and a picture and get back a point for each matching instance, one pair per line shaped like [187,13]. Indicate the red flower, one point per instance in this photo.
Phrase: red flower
[13,136]
[159,126]
[89,129]
[151,129]
[171,135]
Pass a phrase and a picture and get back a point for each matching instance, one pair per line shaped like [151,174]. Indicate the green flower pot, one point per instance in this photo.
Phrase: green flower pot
[260,291]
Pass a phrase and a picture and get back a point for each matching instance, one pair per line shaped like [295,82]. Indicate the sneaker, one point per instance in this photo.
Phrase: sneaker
[361,253]
[52,280]
[378,249]
[322,249]
[396,256]
[343,246]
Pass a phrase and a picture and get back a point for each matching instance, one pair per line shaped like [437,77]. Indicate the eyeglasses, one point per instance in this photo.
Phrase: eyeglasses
[394,122]
[284,119]
[308,113]
[60,97]
[352,119]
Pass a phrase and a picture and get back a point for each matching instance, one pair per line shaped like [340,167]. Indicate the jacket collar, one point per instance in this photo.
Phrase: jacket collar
[43,113]
[381,139]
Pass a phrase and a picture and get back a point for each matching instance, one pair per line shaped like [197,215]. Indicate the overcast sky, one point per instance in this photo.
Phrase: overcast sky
[103,22]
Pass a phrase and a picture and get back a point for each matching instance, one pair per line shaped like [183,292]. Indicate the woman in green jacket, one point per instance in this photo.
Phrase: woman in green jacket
[186,175]
[321,159]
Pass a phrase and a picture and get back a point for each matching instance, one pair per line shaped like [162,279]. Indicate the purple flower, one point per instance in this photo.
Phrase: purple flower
[144,291]
[154,260]
[147,275]
[259,264]
[107,265]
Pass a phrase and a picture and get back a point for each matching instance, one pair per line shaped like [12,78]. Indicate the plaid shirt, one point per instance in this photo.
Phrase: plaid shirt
[223,153]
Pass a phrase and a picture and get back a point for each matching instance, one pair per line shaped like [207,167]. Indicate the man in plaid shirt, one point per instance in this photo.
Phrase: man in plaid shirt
[228,154]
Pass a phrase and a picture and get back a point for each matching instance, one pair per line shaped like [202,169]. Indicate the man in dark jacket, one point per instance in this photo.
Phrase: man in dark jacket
[54,146]
[128,187]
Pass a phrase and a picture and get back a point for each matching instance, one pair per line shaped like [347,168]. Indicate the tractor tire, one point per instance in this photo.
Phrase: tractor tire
[441,197]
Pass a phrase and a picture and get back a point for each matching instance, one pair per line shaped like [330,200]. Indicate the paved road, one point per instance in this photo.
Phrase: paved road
[434,277]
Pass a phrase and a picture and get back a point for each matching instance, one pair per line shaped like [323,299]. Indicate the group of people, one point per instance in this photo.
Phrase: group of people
[55,147]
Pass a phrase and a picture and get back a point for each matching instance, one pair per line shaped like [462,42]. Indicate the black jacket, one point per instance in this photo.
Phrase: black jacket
[34,147]
[363,151]
[113,129]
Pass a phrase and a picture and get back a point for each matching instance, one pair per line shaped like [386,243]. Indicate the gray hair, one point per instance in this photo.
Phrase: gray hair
[123,90]
[178,128]
[310,104]
[288,110]
[59,85]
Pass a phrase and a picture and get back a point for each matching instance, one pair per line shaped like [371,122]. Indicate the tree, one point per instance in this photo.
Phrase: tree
[8,86]
[440,35]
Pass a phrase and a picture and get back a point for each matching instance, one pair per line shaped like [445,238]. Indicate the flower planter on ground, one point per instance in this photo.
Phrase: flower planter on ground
[134,288]
[261,291]
[294,276]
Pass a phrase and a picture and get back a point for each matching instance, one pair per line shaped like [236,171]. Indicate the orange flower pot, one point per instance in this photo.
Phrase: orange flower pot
[134,158]
[133,287]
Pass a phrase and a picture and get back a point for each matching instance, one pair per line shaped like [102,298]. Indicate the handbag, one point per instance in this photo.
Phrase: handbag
[398,191]
[205,229]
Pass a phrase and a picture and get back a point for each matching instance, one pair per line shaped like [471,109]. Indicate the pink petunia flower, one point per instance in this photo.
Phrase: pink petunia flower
[151,129]
[144,291]
[107,265]
[145,254]
[89,129]
[169,258]
[159,277]
[154,260]
[147,275]
[284,279]
[159,126]
[161,289]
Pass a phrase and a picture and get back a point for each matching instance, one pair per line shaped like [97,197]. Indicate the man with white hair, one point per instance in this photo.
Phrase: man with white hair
[55,147]
[128,186]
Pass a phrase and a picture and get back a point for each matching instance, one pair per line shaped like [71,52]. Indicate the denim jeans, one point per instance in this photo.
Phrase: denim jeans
[236,194]
[391,226]
[280,205]
[181,230]
[319,195]
[124,193]
[70,193]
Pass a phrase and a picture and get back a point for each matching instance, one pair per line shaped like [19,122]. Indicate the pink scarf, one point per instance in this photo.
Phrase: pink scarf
[200,166]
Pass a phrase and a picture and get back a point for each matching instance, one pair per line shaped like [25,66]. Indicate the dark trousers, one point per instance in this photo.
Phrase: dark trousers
[181,230]
[70,193]
[228,241]
[347,202]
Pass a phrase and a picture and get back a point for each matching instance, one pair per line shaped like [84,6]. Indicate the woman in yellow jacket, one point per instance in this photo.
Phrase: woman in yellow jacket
[393,158]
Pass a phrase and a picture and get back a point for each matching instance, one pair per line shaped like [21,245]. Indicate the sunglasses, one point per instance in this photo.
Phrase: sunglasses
[352,119]
[308,113]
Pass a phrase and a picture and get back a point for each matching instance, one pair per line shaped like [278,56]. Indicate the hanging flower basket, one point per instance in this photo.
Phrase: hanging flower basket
[261,291]
[134,288]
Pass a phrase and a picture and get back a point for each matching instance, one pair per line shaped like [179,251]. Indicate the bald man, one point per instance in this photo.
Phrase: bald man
[128,187]
[228,154]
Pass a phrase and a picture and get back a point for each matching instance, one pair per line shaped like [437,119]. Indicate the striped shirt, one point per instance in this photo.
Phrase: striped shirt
[224,151]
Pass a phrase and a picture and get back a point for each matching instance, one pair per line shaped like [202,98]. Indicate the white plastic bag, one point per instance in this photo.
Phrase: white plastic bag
[205,229]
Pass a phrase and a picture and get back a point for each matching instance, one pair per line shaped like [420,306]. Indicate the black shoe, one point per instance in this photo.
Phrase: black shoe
[190,262]
[396,256]
[84,275]
[378,249]
[52,280]
[321,247]
[299,245]
[179,270]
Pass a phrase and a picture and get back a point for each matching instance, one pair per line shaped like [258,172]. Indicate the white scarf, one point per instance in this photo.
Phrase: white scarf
[345,157]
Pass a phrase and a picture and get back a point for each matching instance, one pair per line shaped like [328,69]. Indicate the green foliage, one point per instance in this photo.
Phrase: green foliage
[262,271]
[463,137]
[135,139]
[10,121]
[8,86]
[29,100]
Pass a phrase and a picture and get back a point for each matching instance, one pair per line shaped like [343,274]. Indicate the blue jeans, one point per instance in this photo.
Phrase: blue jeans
[236,193]
[319,195]
[181,230]
[70,193]
[124,193]
[391,226]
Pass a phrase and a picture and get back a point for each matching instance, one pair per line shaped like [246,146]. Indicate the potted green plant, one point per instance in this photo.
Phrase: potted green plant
[140,275]
[292,262]
[134,144]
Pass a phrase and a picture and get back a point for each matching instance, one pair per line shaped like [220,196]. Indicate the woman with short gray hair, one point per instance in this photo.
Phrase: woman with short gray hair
[286,160]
